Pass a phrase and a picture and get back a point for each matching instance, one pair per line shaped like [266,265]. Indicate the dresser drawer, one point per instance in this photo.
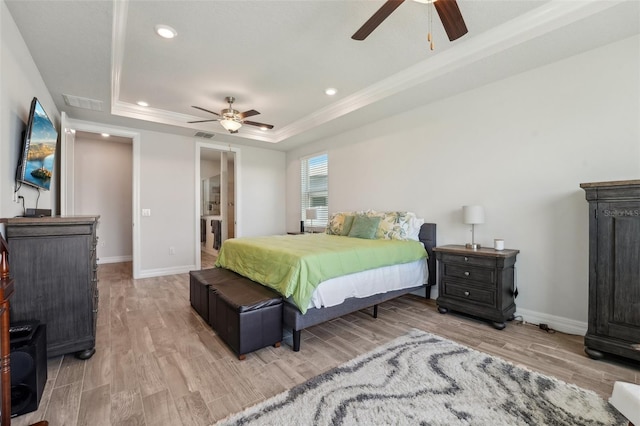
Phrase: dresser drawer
[483,275]
[469,293]
[487,262]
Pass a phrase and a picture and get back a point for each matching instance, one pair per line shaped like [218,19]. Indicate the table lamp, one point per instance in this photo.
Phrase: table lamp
[473,215]
[311,214]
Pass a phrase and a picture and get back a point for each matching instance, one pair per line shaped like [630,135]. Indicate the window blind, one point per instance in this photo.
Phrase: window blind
[314,179]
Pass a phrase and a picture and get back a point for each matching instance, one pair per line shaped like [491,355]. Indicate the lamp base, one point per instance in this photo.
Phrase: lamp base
[473,246]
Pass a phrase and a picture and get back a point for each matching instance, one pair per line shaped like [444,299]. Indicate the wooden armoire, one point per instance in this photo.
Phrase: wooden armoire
[614,269]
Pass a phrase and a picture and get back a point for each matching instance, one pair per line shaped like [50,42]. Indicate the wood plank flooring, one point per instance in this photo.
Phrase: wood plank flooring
[158,363]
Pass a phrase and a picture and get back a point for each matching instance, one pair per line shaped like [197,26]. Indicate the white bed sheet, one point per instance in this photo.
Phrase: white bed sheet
[367,283]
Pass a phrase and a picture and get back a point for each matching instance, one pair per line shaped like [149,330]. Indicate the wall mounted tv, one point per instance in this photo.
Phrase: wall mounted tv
[38,149]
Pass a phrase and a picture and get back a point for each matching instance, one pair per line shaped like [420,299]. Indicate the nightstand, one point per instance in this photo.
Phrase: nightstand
[477,282]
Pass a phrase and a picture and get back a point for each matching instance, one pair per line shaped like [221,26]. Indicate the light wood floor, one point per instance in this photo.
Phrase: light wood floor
[158,363]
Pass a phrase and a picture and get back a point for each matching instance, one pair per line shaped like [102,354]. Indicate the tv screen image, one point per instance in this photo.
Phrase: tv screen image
[39,149]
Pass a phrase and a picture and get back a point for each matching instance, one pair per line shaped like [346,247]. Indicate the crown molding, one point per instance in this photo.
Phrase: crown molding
[540,21]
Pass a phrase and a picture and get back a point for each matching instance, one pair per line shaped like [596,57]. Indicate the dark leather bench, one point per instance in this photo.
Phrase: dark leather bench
[199,283]
[247,316]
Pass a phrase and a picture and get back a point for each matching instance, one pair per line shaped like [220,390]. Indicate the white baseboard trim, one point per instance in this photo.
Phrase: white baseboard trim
[115,259]
[150,273]
[562,324]
[565,325]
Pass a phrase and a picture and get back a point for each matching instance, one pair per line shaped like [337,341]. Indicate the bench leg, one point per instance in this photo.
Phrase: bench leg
[375,311]
[276,345]
[296,340]
[242,357]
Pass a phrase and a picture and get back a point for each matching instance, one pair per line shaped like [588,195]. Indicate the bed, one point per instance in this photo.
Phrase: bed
[376,285]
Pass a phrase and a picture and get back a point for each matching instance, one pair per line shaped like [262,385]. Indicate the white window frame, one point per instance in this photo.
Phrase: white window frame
[314,193]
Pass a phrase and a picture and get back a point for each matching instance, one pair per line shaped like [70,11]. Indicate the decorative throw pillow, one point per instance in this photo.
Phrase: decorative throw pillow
[364,227]
[347,224]
[335,225]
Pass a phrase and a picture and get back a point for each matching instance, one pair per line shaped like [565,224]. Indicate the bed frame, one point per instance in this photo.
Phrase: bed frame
[295,320]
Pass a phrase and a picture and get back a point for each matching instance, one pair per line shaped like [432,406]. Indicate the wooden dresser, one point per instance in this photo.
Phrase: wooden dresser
[54,266]
[477,282]
[614,269]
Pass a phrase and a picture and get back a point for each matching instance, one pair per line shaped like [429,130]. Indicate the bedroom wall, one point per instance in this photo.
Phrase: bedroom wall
[520,147]
[20,81]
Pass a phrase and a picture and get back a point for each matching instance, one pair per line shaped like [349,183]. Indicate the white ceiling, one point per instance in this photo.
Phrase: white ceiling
[278,57]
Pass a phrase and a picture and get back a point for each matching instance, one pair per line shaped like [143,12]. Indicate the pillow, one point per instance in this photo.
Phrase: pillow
[336,223]
[347,224]
[414,228]
[364,227]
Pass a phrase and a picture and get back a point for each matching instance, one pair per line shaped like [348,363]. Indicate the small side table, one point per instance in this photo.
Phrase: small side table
[477,282]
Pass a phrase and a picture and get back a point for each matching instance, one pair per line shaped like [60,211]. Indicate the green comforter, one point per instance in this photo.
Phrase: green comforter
[294,265]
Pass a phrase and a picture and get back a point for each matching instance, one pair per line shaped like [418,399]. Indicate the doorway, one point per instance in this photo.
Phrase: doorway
[122,245]
[217,193]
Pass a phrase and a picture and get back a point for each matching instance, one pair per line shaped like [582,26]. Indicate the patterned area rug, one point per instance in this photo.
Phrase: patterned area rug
[423,379]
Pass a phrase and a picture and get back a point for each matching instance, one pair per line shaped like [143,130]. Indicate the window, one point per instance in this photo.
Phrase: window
[314,174]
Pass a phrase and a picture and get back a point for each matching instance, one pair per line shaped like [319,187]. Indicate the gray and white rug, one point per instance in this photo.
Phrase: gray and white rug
[423,379]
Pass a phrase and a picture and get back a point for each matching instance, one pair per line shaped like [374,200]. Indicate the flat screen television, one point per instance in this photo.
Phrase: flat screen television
[35,167]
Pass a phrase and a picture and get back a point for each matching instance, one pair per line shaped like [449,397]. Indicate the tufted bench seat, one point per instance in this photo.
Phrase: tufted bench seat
[246,315]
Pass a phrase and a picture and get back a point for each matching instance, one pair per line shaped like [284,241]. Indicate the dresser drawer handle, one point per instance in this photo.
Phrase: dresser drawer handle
[466,273]
[466,293]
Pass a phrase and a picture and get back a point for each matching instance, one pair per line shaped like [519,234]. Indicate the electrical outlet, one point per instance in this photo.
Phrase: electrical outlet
[172,250]
[103,244]
[15,194]
[146,212]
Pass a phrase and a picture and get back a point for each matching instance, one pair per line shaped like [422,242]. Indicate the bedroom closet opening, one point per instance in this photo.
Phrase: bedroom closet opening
[217,202]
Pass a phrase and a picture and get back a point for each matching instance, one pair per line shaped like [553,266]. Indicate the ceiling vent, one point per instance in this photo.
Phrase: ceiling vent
[204,135]
[86,103]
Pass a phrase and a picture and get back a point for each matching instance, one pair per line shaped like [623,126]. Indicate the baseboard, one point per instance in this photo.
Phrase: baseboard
[565,325]
[562,324]
[115,259]
[150,273]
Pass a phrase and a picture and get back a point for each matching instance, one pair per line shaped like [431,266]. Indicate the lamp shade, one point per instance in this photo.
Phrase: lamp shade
[230,124]
[473,214]
[311,213]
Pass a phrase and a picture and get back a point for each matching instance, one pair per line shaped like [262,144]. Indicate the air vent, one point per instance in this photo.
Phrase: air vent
[86,103]
[204,135]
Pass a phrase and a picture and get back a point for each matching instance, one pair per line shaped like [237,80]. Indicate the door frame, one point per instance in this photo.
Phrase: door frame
[237,205]
[67,173]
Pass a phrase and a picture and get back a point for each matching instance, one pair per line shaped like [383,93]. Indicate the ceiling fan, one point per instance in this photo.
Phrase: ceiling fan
[448,11]
[232,119]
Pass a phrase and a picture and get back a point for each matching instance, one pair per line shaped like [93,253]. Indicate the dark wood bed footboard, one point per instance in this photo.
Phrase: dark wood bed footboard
[294,320]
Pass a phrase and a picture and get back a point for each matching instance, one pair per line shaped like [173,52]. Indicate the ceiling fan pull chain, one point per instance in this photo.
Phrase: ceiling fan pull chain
[430,37]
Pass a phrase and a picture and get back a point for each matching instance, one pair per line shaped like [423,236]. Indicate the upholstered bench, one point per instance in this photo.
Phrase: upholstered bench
[246,315]
[199,282]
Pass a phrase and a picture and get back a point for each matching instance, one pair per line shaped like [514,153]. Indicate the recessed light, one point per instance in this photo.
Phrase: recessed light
[143,103]
[166,31]
[331,91]
[105,135]
[264,128]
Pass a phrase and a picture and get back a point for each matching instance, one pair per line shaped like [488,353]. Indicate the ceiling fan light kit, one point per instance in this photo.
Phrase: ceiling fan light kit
[230,124]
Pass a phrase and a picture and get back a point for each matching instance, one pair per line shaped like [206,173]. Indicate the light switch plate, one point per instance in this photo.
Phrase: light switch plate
[146,212]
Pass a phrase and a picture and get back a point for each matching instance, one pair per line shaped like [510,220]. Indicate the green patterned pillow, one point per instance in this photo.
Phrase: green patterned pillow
[336,223]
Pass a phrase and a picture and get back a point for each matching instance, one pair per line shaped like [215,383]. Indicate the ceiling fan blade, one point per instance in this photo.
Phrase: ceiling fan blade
[202,121]
[376,19]
[249,113]
[205,110]
[253,123]
[451,18]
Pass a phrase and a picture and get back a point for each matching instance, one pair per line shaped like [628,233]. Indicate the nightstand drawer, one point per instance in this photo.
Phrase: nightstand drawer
[486,262]
[483,275]
[468,293]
